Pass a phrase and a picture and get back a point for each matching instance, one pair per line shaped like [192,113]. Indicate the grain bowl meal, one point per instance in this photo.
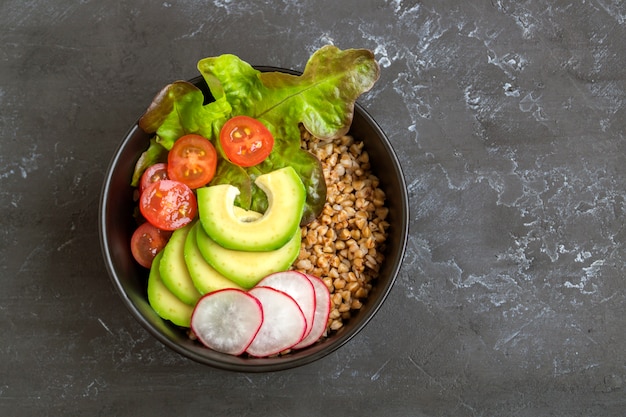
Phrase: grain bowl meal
[254,208]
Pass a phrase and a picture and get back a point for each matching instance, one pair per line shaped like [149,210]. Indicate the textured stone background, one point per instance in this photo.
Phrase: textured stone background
[509,119]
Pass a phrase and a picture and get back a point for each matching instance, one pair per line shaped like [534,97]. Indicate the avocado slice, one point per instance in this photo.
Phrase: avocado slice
[205,278]
[162,301]
[286,197]
[247,268]
[174,271]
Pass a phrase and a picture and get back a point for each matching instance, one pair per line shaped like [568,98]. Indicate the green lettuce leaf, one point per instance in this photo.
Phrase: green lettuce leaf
[153,155]
[178,109]
[322,98]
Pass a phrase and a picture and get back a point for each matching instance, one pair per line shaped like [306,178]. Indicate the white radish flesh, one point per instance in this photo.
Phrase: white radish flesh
[283,325]
[299,287]
[322,311]
[227,320]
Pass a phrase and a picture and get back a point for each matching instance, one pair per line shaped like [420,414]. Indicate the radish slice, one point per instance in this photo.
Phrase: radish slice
[283,322]
[322,311]
[296,285]
[227,320]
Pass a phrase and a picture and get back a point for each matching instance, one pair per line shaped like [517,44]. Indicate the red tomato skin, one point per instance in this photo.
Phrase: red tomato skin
[146,242]
[246,141]
[168,204]
[152,174]
[192,161]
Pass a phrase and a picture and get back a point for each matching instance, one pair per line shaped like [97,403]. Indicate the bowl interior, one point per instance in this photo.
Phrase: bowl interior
[116,226]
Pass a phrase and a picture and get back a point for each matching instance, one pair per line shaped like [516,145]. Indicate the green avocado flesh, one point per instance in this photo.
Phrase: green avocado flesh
[205,278]
[247,268]
[173,268]
[164,303]
[286,197]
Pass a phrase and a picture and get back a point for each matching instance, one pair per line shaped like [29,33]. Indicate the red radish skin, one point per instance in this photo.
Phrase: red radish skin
[283,323]
[299,287]
[322,311]
[227,320]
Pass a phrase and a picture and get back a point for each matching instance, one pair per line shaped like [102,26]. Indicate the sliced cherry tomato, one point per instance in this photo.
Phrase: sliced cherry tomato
[168,204]
[146,242]
[192,161]
[246,141]
[152,174]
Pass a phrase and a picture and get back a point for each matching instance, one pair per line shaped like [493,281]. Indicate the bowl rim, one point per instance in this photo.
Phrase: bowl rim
[294,359]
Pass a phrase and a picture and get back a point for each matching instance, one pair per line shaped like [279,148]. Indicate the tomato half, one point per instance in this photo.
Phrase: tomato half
[192,161]
[146,242]
[152,174]
[246,141]
[168,204]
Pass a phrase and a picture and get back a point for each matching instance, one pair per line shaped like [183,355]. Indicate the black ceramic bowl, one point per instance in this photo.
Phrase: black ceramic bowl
[116,226]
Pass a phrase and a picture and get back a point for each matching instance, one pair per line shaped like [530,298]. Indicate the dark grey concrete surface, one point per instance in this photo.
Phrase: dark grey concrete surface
[509,119]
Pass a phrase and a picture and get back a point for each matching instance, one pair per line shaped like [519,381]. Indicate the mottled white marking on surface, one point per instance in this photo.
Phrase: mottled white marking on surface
[616,9]
[105,326]
[376,374]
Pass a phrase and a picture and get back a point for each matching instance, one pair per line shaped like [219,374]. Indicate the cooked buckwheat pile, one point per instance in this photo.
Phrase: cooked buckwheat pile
[344,245]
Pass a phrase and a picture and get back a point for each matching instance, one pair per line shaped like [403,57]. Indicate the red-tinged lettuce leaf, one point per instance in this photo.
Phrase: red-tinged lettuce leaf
[178,109]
